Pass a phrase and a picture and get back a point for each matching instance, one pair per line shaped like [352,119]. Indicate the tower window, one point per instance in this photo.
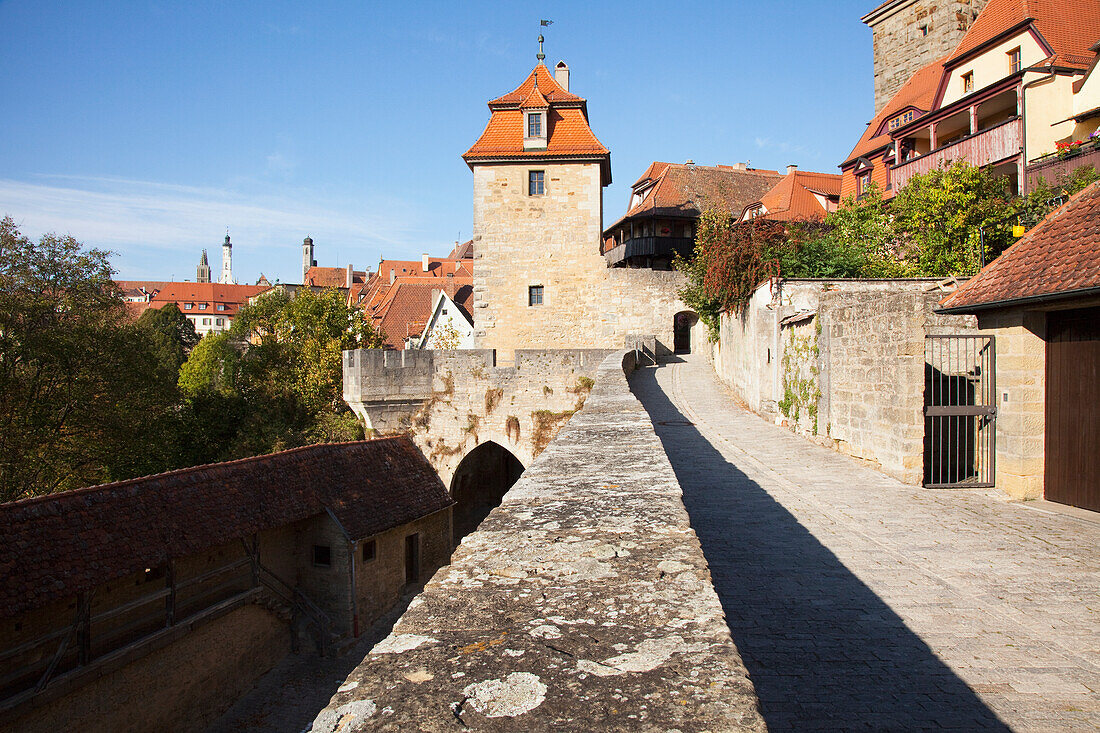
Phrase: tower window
[536,183]
[534,295]
[534,125]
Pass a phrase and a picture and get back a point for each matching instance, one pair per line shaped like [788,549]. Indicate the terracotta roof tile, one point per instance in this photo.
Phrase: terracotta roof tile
[793,199]
[568,132]
[1071,27]
[547,84]
[918,92]
[407,305]
[333,277]
[57,546]
[688,190]
[232,297]
[534,100]
[1060,255]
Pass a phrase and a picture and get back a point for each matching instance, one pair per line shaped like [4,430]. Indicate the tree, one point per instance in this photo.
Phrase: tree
[80,402]
[946,213]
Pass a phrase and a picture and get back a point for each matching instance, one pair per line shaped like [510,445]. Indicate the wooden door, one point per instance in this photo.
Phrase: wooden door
[1073,408]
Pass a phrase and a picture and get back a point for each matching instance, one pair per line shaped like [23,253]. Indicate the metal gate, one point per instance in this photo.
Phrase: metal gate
[960,410]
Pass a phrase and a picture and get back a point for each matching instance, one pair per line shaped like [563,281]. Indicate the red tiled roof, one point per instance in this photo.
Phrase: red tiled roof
[687,190]
[1071,27]
[547,85]
[407,305]
[535,100]
[333,277]
[233,297]
[1059,257]
[918,92]
[568,133]
[793,199]
[464,251]
[59,545]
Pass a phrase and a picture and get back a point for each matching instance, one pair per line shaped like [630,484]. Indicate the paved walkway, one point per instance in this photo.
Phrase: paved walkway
[859,602]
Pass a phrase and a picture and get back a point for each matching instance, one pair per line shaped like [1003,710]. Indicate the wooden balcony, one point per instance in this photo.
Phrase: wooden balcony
[994,145]
[650,247]
[1052,167]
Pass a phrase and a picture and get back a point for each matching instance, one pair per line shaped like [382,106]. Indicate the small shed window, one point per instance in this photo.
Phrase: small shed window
[370,551]
[322,556]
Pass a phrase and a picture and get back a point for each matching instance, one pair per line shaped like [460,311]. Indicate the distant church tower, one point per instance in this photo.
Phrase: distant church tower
[307,257]
[227,263]
[202,272]
[539,174]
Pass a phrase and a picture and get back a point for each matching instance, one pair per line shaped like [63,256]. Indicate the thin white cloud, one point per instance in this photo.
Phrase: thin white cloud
[137,219]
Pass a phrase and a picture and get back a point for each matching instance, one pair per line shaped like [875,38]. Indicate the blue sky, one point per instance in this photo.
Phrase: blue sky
[148,128]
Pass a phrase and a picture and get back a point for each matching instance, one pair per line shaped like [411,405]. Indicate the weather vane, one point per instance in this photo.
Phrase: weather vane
[542,24]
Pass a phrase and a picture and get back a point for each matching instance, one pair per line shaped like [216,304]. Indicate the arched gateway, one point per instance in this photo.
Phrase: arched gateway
[479,485]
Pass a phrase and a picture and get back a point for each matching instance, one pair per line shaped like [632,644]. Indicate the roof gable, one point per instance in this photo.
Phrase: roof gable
[1067,27]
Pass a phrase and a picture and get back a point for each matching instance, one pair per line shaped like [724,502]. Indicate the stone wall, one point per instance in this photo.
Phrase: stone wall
[553,241]
[910,34]
[841,362]
[182,687]
[452,401]
[583,602]
[1021,419]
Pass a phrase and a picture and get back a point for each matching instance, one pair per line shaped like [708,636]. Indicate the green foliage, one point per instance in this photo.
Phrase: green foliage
[942,215]
[800,378]
[934,227]
[1046,197]
[83,395]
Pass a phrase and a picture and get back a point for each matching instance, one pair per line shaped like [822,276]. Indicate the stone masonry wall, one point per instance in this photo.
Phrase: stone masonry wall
[913,34]
[850,374]
[583,602]
[553,241]
[182,687]
[1021,420]
[452,401]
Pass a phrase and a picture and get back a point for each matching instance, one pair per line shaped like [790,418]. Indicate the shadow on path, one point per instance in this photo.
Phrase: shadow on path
[824,652]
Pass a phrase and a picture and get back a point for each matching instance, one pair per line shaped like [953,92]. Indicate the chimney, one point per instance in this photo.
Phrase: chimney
[393,275]
[740,167]
[561,75]
[791,168]
[349,278]
[424,261]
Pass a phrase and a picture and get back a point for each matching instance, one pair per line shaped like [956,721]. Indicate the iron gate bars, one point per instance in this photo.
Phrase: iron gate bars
[960,410]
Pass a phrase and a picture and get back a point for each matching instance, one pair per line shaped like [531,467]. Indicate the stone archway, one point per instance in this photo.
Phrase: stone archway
[682,325]
[479,485]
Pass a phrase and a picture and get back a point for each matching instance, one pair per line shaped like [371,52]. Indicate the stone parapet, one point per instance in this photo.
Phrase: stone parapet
[583,602]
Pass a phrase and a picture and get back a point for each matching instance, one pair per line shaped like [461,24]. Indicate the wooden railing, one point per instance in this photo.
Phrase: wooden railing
[996,144]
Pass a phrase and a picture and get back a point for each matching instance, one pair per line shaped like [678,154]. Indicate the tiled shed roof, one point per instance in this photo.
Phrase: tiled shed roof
[687,190]
[1059,257]
[1069,26]
[333,277]
[56,546]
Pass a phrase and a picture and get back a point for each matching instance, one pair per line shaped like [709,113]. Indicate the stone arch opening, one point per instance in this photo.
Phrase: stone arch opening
[682,324]
[480,483]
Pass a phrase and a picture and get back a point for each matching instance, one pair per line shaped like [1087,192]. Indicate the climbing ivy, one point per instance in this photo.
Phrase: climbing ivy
[801,393]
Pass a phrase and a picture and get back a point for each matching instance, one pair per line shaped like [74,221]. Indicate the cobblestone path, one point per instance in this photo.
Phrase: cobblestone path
[861,603]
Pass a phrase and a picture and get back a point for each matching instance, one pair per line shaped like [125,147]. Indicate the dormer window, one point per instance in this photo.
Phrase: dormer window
[535,137]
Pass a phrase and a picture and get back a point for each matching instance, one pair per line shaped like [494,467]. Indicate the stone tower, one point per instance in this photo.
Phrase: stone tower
[539,174]
[910,34]
[202,272]
[227,262]
[307,257]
